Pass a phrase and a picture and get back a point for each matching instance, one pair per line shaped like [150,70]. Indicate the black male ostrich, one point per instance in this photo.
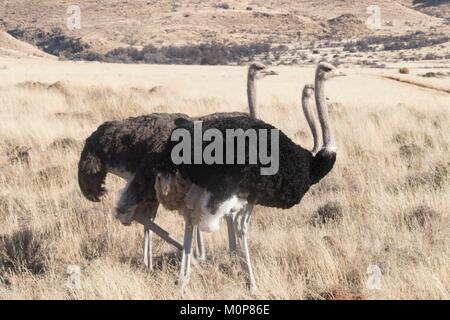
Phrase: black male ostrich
[204,193]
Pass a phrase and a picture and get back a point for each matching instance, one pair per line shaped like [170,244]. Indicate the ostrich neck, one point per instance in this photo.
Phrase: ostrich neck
[251,95]
[322,111]
[307,104]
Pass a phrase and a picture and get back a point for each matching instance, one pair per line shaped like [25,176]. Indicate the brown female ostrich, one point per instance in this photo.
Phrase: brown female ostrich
[118,147]
[204,193]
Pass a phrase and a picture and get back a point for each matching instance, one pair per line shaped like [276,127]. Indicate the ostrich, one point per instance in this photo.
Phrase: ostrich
[118,147]
[204,193]
[256,71]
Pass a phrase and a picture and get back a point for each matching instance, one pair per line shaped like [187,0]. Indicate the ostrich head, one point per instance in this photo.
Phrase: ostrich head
[171,190]
[326,71]
[308,91]
[257,70]
[126,206]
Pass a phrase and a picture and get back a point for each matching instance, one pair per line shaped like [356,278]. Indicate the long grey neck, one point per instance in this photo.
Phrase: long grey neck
[307,105]
[251,94]
[322,112]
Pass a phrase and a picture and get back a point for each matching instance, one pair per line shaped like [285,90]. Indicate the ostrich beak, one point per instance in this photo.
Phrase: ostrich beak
[340,74]
[269,72]
[123,217]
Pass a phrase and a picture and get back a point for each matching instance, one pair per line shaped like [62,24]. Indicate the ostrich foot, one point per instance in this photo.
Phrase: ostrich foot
[254,291]
[241,222]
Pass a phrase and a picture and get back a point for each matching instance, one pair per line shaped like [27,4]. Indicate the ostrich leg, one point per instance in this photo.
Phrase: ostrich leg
[191,199]
[144,219]
[148,249]
[186,259]
[231,234]
[241,224]
[146,213]
[199,249]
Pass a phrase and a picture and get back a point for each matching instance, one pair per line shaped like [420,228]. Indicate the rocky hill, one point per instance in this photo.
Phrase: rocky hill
[107,25]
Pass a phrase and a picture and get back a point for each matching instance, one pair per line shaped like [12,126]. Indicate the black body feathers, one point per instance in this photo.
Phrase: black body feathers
[281,190]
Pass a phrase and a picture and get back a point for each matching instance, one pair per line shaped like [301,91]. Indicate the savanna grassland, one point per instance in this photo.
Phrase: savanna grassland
[385,203]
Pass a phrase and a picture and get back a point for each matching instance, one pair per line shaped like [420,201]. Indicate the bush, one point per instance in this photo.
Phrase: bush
[206,54]
[22,252]
[332,211]
[223,5]
[432,56]
[54,42]
[57,43]
[403,70]
[88,56]
[392,43]
[421,216]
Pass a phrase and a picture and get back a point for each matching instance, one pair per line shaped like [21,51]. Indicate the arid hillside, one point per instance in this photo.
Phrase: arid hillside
[11,47]
[106,25]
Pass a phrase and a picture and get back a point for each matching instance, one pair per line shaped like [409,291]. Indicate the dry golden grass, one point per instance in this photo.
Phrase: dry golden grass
[387,196]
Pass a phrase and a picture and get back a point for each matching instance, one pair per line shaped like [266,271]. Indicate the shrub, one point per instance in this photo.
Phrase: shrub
[23,251]
[392,43]
[54,42]
[421,216]
[330,212]
[57,43]
[223,5]
[432,56]
[403,70]
[209,54]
